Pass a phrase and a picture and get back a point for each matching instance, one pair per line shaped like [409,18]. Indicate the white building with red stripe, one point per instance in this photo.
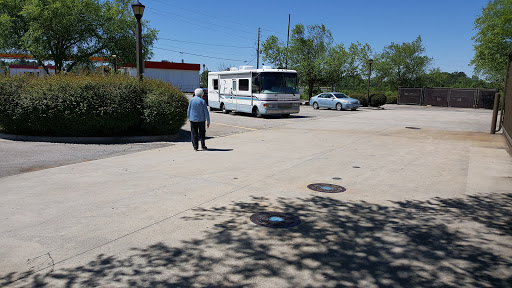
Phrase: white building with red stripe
[30,70]
[184,76]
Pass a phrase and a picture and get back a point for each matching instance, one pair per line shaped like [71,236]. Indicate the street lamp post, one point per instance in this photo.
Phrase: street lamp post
[370,61]
[138,10]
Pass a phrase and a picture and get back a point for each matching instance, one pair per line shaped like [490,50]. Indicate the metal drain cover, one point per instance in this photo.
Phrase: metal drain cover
[275,219]
[326,188]
[415,128]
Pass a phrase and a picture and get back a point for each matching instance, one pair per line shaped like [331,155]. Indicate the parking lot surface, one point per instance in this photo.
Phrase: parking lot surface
[26,156]
[405,196]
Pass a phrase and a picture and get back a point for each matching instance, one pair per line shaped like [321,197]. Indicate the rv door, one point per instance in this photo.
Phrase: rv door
[234,95]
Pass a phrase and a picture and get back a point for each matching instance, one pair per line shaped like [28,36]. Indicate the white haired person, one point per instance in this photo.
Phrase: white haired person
[198,114]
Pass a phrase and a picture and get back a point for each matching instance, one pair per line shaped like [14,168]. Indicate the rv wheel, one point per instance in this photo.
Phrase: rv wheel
[223,108]
[256,112]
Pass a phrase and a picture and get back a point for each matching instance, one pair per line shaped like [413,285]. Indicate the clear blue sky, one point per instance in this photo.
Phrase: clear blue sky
[225,33]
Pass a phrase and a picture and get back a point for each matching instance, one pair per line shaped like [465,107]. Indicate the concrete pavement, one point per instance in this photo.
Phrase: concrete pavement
[428,207]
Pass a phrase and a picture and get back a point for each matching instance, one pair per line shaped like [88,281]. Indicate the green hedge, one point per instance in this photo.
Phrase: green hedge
[363,98]
[391,99]
[377,100]
[90,106]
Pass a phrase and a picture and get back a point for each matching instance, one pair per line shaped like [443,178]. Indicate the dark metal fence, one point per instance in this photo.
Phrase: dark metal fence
[410,96]
[448,97]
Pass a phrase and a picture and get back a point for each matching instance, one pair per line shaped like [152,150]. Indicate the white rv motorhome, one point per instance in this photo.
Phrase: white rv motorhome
[258,91]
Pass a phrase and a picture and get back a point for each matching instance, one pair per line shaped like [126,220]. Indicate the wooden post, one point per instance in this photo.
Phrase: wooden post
[495,112]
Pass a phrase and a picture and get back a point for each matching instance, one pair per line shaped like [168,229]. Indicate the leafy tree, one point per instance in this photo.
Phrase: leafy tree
[493,41]
[335,65]
[347,67]
[436,78]
[274,52]
[71,31]
[402,64]
[204,78]
[357,65]
[308,51]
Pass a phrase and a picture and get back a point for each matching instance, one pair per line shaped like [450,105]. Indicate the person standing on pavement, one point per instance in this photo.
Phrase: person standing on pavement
[198,114]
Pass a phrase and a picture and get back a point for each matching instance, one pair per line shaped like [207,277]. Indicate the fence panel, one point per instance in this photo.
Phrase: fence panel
[410,96]
[485,98]
[436,96]
[463,98]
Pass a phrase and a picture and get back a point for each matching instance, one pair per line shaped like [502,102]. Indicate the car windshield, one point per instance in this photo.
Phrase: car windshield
[279,83]
[341,95]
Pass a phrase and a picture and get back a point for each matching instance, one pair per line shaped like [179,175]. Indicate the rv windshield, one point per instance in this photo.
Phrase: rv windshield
[279,83]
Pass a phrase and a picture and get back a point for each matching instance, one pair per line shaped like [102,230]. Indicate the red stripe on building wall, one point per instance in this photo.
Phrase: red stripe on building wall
[28,67]
[173,66]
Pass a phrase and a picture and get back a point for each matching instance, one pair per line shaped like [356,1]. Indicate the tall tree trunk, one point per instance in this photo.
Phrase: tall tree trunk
[41,63]
[311,85]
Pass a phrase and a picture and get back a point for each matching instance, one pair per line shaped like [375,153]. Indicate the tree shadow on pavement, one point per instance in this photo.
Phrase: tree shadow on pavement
[458,242]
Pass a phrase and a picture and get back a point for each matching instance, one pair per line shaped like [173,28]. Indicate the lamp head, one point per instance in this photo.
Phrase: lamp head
[138,10]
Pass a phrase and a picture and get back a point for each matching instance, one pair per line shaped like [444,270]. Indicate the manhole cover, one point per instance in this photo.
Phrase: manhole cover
[336,178]
[415,128]
[326,188]
[275,219]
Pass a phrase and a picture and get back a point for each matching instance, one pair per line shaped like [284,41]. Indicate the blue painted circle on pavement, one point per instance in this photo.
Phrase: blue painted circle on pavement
[276,219]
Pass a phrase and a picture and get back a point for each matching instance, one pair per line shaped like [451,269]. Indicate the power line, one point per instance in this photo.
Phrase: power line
[204,14]
[209,44]
[201,51]
[211,57]
[215,17]
[203,26]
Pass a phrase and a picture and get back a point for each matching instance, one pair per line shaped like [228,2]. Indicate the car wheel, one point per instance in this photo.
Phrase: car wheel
[315,105]
[339,107]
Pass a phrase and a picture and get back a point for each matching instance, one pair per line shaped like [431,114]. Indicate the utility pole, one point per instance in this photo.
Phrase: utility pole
[258,51]
[287,40]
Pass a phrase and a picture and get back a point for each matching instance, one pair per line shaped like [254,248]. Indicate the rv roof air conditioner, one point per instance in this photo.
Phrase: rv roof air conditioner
[246,67]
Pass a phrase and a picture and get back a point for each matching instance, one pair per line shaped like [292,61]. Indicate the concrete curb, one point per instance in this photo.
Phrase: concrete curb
[91,140]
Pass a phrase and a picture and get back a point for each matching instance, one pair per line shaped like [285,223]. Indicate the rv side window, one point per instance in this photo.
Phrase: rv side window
[244,84]
[215,84]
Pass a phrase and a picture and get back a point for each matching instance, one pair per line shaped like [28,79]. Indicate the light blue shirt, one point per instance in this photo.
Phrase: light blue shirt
[197,110]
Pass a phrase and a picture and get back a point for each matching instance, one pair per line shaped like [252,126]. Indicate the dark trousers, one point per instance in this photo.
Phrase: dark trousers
[198,131]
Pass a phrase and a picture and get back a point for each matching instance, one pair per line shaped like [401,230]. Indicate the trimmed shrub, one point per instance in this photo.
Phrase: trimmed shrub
[377,100]
[361,97]
[391,99]
[165,108]
[68,105]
